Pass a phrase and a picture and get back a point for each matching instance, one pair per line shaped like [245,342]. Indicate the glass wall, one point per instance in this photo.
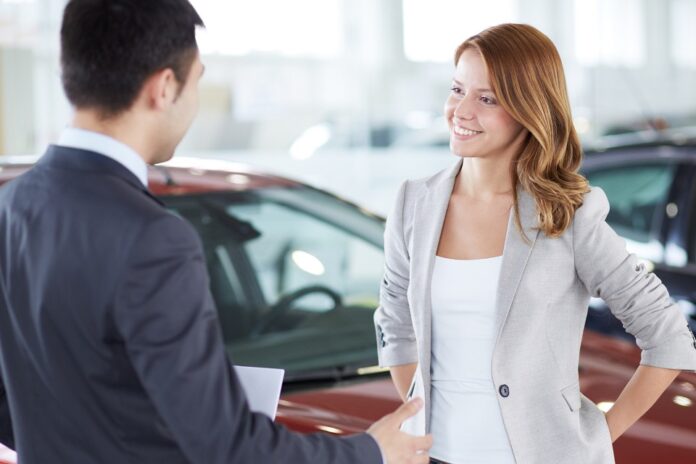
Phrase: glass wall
[317,88]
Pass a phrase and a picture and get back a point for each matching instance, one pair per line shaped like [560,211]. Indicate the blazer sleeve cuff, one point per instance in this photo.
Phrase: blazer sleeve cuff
[678,353]
[397,353]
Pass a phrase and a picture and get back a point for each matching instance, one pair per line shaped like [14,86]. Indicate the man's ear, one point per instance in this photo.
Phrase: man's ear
[160,89]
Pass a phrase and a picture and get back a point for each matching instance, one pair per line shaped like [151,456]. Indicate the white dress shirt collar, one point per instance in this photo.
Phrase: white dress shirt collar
[72,137]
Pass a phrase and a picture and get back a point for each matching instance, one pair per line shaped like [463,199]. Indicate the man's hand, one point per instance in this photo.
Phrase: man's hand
[398,447]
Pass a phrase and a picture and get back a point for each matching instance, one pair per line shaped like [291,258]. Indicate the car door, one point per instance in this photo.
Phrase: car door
[680,277]
[653,209]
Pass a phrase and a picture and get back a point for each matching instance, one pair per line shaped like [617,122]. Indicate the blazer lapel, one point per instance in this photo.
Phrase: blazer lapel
[430,211]
[515,254]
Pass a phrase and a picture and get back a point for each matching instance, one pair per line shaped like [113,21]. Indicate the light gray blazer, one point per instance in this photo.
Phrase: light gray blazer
[542,300]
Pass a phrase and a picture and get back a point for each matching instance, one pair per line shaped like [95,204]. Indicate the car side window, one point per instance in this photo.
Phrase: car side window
[637,195]
[297,250]
[691,233]
[294,274]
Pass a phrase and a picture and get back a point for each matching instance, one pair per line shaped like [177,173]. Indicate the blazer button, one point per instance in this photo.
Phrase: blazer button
[504,391]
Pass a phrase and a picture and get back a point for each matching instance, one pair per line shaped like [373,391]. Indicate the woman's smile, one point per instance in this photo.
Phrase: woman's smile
[463,133]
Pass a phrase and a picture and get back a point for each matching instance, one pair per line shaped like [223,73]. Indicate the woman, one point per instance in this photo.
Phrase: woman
[490,266]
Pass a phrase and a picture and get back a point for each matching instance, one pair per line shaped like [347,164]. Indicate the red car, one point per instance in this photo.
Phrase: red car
[295,274]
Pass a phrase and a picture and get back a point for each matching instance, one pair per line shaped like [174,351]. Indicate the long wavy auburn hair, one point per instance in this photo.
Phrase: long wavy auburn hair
[527,77]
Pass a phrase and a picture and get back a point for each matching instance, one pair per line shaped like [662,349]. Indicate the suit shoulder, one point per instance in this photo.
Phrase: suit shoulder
[165,235]
[173,226]
[423,181]
[408,192]
[149,218]
[412,187]
[19,182]
[594,208]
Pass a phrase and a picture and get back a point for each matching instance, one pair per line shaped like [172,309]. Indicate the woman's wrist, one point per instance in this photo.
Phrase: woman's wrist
[615,425]
[611,430]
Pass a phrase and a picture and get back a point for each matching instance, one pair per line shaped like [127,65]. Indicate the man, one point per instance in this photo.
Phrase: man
[110,350]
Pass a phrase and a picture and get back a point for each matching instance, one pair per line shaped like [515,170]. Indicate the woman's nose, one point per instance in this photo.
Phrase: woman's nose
[463,109]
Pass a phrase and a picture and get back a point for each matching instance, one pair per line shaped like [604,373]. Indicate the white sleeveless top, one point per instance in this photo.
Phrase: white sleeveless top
[466,422]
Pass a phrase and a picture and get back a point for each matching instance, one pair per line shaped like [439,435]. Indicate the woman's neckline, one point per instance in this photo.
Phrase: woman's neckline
[490,258]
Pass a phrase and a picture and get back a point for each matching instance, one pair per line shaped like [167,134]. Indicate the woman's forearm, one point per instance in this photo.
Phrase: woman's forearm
[402,376]
[641,392]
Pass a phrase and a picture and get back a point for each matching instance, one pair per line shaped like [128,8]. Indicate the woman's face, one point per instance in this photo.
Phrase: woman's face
[479,126]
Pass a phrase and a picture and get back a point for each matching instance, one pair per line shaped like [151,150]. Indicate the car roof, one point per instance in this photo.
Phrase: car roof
[636,148]
[180,176]
[188,175]
[684,137]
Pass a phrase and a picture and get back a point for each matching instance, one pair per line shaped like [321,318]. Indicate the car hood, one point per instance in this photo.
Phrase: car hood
[349,407]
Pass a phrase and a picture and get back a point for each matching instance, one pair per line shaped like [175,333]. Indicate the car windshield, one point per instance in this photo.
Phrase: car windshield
[295,275]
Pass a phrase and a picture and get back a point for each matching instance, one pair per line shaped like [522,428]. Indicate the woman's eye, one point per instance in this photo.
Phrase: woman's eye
[488,100]
[456,90]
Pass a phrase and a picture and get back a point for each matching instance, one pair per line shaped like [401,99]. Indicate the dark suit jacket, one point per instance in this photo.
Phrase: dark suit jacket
[110,348]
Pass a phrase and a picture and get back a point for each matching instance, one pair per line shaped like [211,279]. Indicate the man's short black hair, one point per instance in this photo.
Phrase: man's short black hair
[110,47]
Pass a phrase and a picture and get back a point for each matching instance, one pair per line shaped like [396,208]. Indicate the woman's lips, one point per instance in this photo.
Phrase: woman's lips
[464,133]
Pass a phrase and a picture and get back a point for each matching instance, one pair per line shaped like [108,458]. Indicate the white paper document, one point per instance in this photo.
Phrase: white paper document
[7,455]
[262,387]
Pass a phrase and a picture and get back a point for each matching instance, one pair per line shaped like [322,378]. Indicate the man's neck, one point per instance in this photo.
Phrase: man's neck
[120,128]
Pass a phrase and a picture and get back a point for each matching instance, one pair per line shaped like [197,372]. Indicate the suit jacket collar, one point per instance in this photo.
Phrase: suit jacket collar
[445,178]
[442,183]
[91,162]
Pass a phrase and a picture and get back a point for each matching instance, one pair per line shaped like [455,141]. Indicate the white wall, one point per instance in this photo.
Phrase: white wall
[17,100]
[263,102]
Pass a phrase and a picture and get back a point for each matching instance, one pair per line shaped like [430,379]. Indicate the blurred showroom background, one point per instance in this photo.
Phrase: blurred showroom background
[348,94]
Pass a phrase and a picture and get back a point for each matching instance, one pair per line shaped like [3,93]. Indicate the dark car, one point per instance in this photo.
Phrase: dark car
[295,274]
[651,187]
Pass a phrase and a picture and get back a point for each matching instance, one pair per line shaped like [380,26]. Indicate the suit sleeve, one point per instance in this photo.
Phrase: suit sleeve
[167,318]
[6,433]
[396,339]
[635,296]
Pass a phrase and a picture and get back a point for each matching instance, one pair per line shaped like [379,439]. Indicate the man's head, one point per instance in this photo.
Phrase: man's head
[119,56]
